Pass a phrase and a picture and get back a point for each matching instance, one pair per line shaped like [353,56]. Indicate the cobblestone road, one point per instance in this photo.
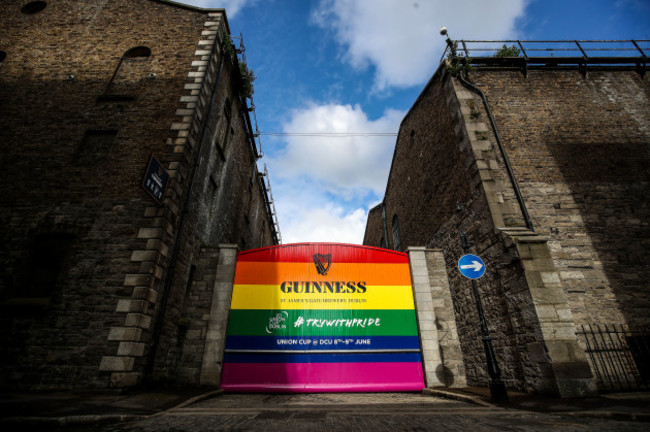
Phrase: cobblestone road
[357,412]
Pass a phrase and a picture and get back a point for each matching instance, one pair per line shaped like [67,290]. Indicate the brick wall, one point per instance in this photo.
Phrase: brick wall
[434,173]
[426,165]
[77,124]
[578,146]
[229,209]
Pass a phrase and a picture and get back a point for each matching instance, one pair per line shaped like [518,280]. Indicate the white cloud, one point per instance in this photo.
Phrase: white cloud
[321,184]
[231,6]
[307,214]
[328,223]
[401,38]
[350,166]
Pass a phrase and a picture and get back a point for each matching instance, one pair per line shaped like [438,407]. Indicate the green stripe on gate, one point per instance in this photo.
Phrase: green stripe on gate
[388,322]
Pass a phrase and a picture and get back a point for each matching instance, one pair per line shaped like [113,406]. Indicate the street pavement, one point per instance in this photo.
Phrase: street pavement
[374,412]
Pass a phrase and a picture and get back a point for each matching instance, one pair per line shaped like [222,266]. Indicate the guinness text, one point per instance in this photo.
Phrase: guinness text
[322,287]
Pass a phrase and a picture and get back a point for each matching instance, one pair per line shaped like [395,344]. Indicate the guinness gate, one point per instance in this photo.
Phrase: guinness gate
[321,317]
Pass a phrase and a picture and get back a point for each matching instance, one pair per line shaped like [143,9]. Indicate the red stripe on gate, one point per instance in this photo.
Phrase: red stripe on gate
[341,253]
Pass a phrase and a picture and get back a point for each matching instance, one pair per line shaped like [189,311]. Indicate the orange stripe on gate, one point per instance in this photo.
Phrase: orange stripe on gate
[267,273]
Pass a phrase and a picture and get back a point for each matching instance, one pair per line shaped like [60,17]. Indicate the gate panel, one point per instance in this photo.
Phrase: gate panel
[319,317]
[619,356]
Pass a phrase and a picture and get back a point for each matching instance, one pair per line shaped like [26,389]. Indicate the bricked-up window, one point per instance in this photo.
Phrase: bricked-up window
[224,129]
[397,239]
[137,53]
[95,146]
[47,264]
[33,7]
[132,68]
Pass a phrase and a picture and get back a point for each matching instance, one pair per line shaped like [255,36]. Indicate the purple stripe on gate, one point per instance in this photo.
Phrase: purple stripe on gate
[322,377]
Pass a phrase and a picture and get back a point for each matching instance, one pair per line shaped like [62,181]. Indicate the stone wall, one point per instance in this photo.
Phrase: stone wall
[441,353]
[578,147]
[437,189]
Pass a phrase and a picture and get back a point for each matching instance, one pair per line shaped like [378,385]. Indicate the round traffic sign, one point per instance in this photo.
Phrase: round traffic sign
[471,266]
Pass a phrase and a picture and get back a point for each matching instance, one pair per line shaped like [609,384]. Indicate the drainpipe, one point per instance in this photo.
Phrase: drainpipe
[157,330]
[506,160]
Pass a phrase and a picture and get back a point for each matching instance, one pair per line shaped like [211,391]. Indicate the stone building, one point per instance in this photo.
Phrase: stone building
[546,178]
[107,265]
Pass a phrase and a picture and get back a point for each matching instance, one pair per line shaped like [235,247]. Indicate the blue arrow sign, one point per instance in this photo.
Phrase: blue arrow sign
[471,266]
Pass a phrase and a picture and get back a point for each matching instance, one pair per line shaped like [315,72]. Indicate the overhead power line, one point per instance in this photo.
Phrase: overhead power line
[329,134]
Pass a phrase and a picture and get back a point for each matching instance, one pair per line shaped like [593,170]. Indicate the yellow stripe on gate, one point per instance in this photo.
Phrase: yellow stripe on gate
[271,297]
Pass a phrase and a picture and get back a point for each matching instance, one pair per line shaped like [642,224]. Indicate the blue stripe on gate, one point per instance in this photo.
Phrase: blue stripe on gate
[322,343]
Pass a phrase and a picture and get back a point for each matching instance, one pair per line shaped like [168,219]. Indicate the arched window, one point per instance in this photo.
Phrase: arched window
[397,239]
[139,52]
[33,7]
[132,68]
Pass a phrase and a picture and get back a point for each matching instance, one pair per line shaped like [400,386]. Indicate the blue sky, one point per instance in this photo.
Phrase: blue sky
[356,66]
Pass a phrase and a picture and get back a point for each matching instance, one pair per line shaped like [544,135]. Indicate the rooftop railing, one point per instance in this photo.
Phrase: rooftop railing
[554,53]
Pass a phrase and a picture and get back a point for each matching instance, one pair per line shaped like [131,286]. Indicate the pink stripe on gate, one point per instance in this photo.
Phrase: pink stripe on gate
[322,377]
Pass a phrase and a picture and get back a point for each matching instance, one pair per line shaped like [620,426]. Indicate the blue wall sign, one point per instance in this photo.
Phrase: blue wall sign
[155,179]
[471,266]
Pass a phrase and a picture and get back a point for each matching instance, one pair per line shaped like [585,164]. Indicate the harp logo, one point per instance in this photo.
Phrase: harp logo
[323,263]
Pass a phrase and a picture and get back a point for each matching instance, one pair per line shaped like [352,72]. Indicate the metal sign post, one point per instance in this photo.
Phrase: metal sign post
[473,267]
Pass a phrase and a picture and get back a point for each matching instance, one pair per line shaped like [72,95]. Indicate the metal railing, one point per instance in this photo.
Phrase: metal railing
[265,183]
[554,53]
[619,356]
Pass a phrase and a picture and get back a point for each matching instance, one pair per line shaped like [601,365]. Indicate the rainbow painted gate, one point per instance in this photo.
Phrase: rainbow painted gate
[322,317]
